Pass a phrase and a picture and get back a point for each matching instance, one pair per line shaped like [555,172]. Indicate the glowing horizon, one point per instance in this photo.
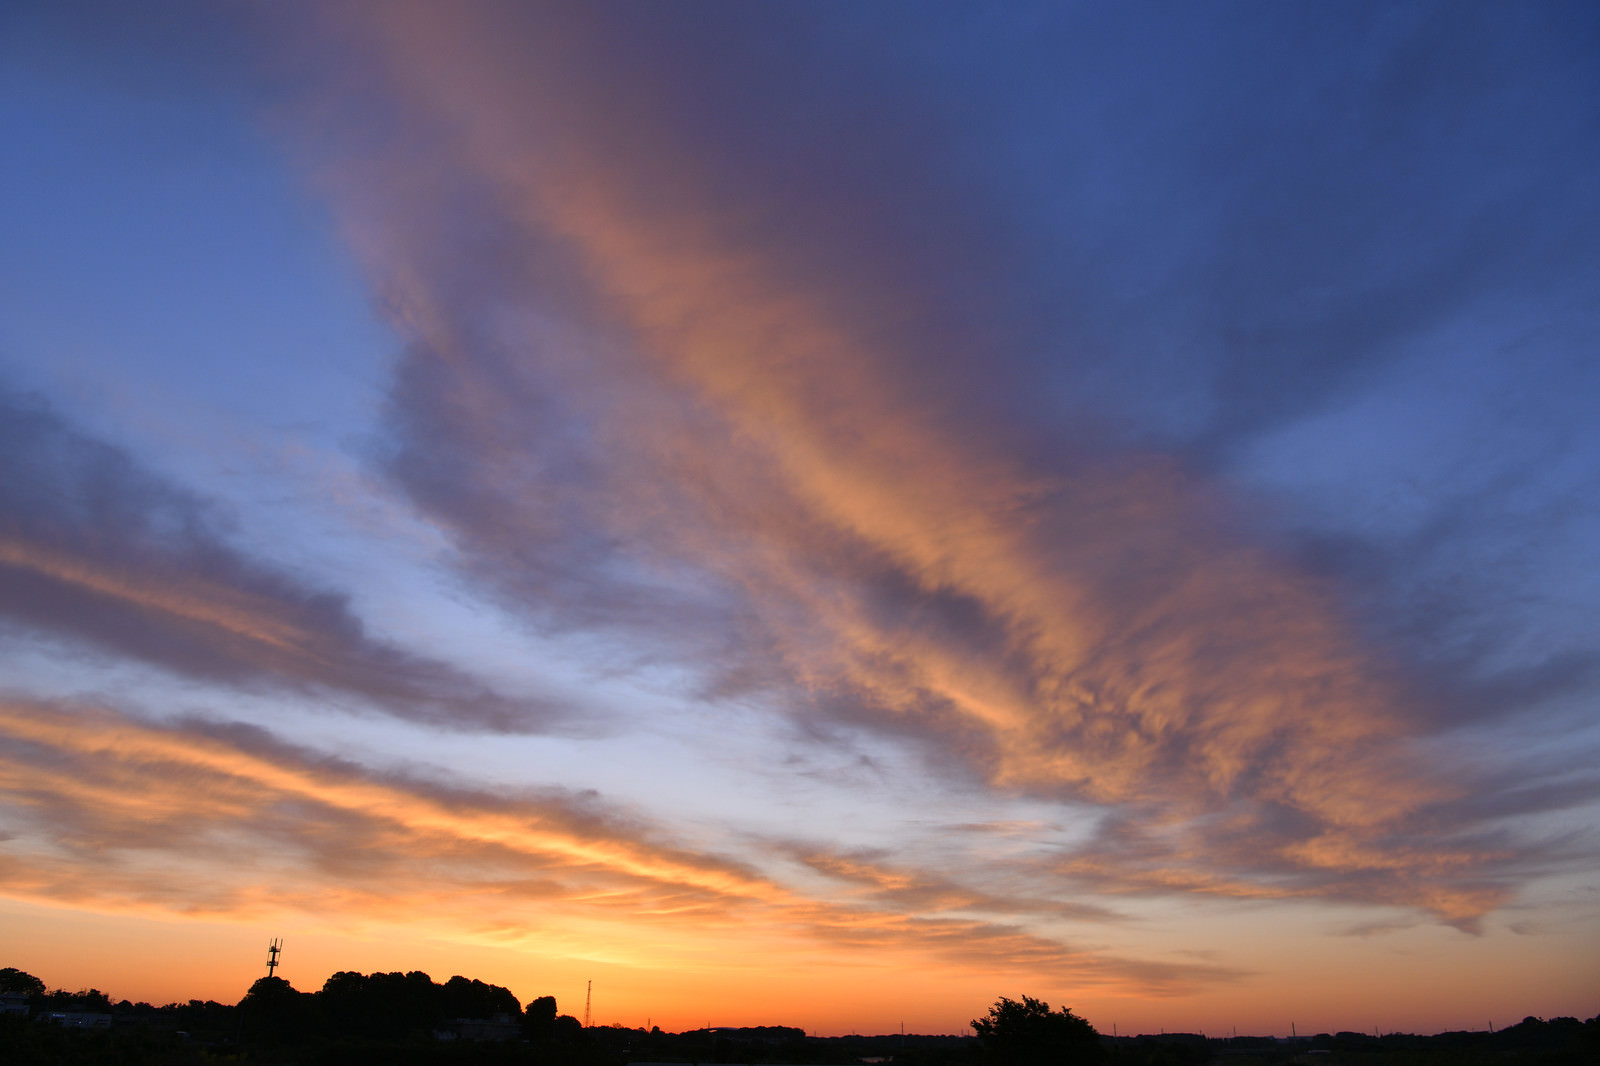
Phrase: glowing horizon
[821,516]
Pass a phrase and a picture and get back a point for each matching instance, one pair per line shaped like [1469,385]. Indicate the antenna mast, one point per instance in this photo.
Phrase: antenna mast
[588,997]
[272,954]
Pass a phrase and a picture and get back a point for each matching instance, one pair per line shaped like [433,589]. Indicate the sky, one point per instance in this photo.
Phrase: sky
[807,514]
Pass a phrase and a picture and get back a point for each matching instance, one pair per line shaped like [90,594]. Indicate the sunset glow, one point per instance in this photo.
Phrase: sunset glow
[811,515]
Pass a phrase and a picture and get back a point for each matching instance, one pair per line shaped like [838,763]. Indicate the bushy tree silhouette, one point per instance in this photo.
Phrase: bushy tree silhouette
[539,1019]
[1029,1033]
[381,1005]
[461,997]
[274,1012]
[20,983]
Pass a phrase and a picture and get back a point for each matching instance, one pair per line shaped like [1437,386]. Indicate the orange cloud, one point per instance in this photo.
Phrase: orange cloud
[115,814]
[210,607]
[755,455]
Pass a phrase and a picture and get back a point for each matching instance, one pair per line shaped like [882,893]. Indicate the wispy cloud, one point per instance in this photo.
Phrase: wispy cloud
[719,429]
[109,811]
[101,551]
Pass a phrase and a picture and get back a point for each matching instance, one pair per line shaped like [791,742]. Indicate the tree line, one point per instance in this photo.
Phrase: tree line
[377,1006]
[408,1018]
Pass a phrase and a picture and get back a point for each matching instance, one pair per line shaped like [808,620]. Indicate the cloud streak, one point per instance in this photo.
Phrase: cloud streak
[103,552]
[711,425]
[109,811]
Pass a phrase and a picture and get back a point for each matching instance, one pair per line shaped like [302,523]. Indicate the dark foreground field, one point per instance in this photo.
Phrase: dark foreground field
[28,1041]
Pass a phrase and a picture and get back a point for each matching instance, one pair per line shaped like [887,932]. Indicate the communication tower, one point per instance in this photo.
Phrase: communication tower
[272,954]
[588,997]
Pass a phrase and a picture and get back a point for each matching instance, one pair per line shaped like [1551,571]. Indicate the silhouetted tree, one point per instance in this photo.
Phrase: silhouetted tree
[20,982]
[463,998]
[273,1011]
[1029,1033]
[539,1019]
[380,1006]
[84,999]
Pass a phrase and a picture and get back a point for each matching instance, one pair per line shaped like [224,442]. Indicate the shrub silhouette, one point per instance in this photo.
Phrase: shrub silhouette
[20,983]
[1029,1033]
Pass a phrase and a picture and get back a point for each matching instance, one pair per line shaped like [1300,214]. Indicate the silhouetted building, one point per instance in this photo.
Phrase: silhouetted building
[500,1027]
